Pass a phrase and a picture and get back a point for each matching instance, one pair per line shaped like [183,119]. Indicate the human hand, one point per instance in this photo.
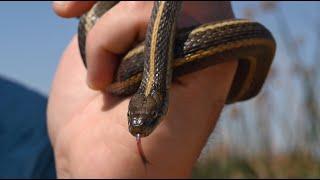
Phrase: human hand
[88,129]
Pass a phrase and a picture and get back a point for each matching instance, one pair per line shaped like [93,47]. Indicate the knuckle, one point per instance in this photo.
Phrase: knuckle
[137,8]
[135,5]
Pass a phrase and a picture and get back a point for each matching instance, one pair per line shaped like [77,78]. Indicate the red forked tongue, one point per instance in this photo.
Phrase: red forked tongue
[143,157]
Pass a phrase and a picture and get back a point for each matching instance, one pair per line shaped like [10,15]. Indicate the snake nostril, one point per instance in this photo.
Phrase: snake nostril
[154,114]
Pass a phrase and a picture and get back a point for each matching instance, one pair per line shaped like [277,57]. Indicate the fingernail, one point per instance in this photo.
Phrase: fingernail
[60,3]
[91,85]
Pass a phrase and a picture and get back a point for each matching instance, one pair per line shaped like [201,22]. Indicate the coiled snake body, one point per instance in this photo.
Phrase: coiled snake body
[146,71]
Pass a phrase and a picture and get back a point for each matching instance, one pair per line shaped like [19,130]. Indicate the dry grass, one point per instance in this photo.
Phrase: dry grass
[289,165]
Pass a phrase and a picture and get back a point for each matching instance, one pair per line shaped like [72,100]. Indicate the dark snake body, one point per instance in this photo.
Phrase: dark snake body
[194,48]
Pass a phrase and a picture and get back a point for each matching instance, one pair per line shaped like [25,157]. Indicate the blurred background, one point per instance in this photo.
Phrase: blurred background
[275,135]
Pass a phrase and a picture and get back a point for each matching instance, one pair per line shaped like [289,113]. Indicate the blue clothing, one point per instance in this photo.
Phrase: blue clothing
[25,149]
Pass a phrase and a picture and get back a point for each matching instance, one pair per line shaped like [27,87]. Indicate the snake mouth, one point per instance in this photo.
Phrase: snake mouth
[142,126]
[140,131]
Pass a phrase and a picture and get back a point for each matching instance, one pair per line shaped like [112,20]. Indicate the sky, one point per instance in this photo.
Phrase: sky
[32,37]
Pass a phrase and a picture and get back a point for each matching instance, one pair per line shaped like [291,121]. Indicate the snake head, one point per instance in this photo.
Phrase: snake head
[144,113]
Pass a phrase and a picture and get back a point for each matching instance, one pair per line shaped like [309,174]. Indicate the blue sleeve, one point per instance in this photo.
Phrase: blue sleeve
[25,150]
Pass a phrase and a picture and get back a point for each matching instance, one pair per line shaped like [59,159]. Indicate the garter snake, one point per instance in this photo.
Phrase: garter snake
[147,70]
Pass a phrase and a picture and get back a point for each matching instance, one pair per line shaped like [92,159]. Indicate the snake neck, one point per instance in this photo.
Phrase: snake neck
[158,47]
[150,102]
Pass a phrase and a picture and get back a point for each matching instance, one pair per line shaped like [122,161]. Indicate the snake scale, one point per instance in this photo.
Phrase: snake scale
[147,70]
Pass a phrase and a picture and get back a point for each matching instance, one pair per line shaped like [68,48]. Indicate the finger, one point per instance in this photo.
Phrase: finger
[205,12]
[114,34]
[69,9]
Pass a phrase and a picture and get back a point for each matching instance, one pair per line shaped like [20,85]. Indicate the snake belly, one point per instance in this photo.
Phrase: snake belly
[194,48]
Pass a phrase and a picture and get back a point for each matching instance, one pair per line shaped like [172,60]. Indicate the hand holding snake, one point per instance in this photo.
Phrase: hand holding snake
[76,120]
